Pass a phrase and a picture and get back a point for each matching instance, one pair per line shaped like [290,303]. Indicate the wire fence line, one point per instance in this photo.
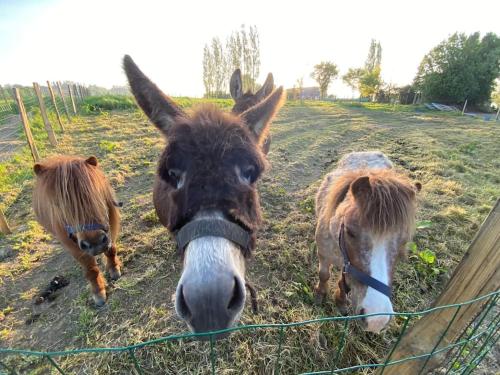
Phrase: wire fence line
[462,355]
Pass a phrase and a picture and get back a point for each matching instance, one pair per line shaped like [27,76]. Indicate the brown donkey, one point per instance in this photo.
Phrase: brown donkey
[73,200]
[205,193]
[366,213]
[242,102]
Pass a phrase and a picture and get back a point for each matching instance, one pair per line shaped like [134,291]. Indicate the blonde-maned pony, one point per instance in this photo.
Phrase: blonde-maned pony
[74,201]
[367,208]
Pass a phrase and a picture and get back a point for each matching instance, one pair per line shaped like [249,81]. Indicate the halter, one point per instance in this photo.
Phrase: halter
[213,227]
[88,227]
[359,275]
[83,228]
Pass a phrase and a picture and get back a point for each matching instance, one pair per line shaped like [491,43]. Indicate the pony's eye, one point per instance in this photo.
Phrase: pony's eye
[350,233]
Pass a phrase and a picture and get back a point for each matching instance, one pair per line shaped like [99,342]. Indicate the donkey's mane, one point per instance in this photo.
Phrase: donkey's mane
[70,191]
[389,207]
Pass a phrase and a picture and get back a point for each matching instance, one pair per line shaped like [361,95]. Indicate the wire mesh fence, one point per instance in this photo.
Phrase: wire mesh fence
[461,356]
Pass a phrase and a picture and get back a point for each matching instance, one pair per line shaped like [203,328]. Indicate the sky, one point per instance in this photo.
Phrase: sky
[84,41]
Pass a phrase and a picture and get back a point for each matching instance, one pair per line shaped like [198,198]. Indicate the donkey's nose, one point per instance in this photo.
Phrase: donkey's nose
[210,306]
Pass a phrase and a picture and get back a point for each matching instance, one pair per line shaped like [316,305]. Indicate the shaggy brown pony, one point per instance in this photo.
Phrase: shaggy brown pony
[244,101]
[208,173]
[73,200]
[369,208]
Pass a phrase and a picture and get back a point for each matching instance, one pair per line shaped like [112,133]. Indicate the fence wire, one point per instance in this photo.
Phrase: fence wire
[462,355]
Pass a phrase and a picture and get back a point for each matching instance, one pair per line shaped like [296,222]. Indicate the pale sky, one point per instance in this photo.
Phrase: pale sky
[84,41]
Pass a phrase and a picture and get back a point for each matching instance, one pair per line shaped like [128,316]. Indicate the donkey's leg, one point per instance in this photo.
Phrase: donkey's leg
[92,273]
[113,264]
[324,246]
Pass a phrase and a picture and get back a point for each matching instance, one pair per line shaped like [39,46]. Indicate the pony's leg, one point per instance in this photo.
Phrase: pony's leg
[113,264]
[92,273]
[341,296]
[324,245]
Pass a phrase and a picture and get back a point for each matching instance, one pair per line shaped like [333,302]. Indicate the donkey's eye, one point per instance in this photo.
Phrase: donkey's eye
[249,174]
[176,176]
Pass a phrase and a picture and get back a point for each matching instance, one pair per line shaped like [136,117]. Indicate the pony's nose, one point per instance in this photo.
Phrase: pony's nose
[375,323]
[213,306]
[104,239]
[84,245]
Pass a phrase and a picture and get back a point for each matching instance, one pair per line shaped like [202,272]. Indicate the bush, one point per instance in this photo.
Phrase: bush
[97,104]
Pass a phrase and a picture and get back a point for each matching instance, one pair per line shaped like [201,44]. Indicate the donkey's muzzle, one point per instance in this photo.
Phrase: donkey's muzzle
[213,305]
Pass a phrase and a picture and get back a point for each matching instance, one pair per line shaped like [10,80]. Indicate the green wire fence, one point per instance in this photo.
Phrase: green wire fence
[462,356]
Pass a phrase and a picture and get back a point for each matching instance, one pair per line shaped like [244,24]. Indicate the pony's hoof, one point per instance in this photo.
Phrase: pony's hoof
[99,299]
[115,273]
[319,297]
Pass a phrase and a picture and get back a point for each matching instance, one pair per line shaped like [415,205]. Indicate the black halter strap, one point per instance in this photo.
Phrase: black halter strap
[213,227]
[359,275]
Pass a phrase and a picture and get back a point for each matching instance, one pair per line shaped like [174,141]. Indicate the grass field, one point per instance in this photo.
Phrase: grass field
[455,158]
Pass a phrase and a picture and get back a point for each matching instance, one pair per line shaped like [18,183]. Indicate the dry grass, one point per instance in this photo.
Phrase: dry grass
[455,158]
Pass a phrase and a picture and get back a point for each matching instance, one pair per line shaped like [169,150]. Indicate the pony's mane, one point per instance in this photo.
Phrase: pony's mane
[70,191]
[390,206]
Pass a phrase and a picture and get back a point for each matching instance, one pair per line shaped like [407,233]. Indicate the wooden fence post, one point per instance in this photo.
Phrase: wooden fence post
[26,125]
[4,227]
[53,97]
[77,94]
[43,110]
[465,106]
[498,113]
[72,98]
[477,274]
[59,87]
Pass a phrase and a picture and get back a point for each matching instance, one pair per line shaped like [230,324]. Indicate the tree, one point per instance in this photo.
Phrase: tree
[374,58]
[367,80]
[324,73]
[352,78]
[460,68]
[241,50]
[370,82]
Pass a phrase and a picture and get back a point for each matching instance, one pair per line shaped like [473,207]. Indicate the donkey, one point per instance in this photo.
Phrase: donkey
[74,201]
[242,102]
[365,216]
[205,193]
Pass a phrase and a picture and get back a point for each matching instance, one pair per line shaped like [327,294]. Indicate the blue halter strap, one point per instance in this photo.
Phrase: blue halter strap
[83,228]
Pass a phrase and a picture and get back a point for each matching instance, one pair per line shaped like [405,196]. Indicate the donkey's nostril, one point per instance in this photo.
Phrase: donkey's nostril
[182,306]
[84,245]
[104,239]
[362,312]
[237,298]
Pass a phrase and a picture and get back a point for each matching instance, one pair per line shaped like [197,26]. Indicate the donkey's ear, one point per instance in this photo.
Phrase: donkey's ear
[361,187]
[39,168]
[266,88]
[235,85]
[160,109]
[260,116]
[92,160]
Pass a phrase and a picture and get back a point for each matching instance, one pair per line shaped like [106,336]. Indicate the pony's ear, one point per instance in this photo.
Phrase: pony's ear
[92,160]
[260,116]
[418,187]
[38,168]
[236,85]
[361,187]
[266,88]
[160,109]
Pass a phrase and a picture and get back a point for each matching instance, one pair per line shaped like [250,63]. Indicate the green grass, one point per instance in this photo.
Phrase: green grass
[455,158]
